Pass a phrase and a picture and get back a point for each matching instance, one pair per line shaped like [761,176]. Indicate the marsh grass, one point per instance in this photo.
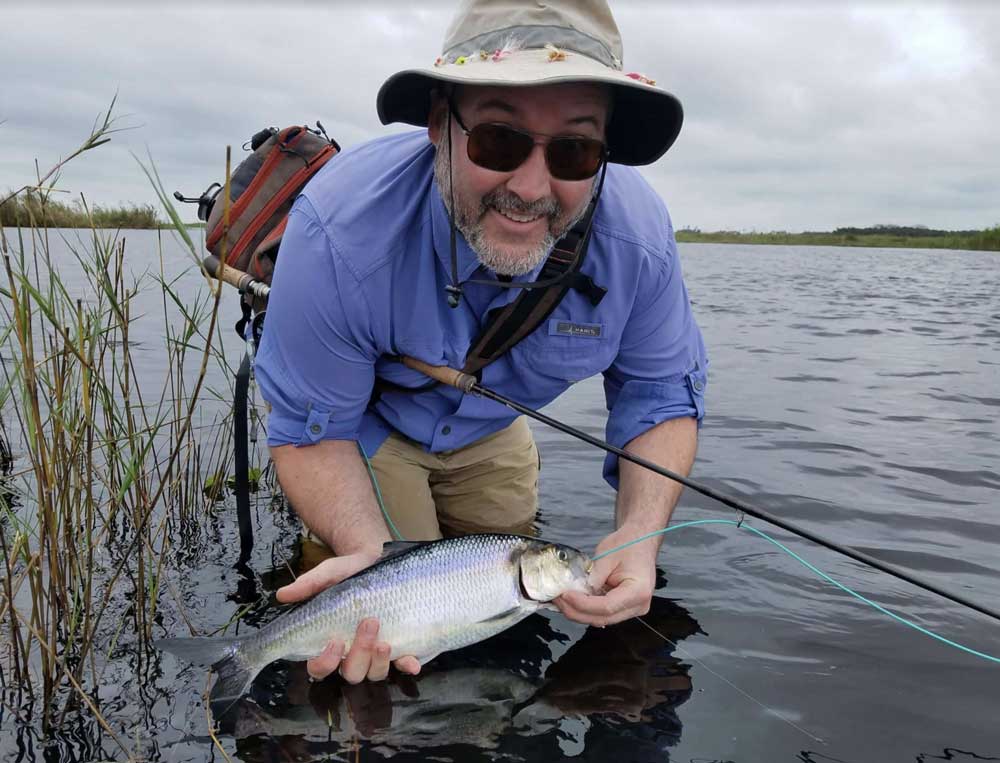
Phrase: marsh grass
[31,209]
[95,471]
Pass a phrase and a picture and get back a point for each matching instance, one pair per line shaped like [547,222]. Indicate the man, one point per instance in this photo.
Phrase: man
[403,246]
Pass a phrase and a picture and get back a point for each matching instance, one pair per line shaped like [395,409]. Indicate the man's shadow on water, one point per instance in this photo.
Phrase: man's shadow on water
[612,693]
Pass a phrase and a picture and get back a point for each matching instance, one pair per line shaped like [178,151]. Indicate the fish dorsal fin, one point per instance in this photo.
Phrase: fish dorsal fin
[397,547]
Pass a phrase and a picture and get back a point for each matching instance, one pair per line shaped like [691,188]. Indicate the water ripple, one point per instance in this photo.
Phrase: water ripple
[964,478]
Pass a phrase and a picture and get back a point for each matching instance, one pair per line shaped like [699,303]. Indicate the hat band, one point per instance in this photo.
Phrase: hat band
[537,36]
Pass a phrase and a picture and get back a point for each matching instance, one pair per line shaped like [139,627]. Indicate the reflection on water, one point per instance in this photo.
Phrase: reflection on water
[506,695]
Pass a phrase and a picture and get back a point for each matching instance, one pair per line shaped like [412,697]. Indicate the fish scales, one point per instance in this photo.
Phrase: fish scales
[434,598]
[428,598]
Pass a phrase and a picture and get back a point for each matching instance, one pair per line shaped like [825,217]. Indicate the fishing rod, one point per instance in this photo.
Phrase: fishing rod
[244,282]
[468,384]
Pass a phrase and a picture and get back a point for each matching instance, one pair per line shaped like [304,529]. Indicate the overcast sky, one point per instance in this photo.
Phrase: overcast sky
[799,115]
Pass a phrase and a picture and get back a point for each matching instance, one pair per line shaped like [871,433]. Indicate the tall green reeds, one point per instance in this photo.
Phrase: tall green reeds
[102,466]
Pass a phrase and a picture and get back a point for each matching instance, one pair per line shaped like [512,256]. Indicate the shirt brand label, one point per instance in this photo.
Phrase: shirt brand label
[566,328]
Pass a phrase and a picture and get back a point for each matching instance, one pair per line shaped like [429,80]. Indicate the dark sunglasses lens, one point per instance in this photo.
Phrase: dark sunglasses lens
[574,158]
[499,148]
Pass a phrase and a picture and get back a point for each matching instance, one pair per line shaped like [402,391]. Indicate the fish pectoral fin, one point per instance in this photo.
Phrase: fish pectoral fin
[507,614]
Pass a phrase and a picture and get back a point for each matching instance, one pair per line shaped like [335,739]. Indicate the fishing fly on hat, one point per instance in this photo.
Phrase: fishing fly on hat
[524,43]
[528,43]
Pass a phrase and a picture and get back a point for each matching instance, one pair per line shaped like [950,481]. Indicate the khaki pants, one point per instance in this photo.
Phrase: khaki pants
[488,486]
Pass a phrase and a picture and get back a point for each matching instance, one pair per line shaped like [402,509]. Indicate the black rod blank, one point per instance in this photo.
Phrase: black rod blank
[735,503]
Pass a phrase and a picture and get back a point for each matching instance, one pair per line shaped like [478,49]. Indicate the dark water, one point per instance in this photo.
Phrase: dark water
[854,392]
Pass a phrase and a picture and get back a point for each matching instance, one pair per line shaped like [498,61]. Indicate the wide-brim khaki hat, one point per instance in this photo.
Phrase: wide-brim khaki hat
[527,43]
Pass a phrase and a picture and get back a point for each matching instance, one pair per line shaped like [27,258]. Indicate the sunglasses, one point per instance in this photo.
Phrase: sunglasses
[500,148]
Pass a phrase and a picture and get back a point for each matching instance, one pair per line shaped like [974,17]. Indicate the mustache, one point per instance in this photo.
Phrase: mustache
[504,201]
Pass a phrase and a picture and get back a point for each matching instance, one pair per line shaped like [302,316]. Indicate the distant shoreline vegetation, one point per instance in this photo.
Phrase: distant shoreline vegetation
[28,210]
[901,236]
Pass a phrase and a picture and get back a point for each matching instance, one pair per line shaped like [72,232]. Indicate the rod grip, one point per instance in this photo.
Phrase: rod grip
[443,374]
[213,266]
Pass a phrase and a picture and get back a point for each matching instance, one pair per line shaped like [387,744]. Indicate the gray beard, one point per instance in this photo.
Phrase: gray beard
[500,260]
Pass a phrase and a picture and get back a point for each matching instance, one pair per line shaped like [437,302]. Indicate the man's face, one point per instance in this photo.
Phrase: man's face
[512,219]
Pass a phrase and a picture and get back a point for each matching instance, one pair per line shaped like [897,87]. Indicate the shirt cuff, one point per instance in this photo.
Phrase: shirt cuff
[291,422]
[641,405]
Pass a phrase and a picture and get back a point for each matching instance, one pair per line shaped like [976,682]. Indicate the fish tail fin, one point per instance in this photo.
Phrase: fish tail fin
[234,672]
[235,675]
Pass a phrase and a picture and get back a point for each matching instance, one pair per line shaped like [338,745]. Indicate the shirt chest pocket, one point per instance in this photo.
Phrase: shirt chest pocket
[568,350]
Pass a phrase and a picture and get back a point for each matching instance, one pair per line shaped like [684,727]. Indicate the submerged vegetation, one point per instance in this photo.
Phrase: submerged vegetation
[94,471]
[897,236]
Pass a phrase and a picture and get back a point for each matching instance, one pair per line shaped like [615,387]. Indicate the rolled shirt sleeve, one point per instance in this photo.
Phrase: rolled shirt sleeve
[317,357]
[660,372]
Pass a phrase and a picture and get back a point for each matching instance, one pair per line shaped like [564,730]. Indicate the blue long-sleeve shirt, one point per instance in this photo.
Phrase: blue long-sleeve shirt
[362,272]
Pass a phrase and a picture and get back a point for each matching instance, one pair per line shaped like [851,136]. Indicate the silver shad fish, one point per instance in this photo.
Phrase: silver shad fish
[428,597]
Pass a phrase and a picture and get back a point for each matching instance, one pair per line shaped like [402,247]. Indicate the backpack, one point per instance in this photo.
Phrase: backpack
[262,189]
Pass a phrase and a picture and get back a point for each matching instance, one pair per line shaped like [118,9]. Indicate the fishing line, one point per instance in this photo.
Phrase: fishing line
[470,385]
[378,493]
[730,684]
[814,568]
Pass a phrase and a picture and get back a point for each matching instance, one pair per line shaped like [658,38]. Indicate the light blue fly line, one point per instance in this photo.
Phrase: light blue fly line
[378,493]
[751,528]
[796,557]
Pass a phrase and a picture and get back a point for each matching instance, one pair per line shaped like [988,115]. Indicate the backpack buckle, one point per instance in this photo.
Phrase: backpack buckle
[205,202]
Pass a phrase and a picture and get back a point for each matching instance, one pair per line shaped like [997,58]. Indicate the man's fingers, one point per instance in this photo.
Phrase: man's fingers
[621,597]
[600,621]
[620,603]
[301,588]
[358,661]
[367,658]
[380,662]
[322,576]
[590,610]
[410,665]
[596,605]
[326,662]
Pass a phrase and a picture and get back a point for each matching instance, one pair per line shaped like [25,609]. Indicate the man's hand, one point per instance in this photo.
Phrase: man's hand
[368,657]
[628,578]
[645,502]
